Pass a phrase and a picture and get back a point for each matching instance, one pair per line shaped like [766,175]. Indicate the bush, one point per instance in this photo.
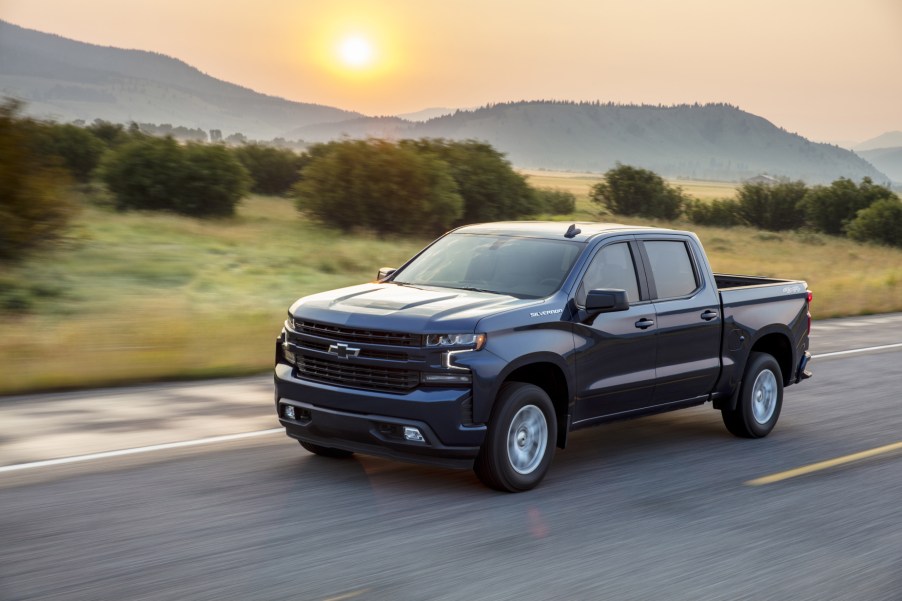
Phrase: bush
[159,175]
[830,209]
[380,186]
[490,188]
[881,223]
[718,213]
[630,190]
[773,207]
[71,147]
[555,202]
[273,170]
[35,209]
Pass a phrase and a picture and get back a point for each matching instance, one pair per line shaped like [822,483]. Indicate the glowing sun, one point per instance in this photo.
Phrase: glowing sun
[356,52]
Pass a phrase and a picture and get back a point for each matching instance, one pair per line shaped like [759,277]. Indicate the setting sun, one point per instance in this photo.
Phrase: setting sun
[356,52]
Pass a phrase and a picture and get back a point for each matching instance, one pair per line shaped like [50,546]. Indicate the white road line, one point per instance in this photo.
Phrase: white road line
[243,435]
[135,451]
[858,350]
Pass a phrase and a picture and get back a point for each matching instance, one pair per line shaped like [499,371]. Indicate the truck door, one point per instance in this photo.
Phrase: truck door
[615,352]
[687,309]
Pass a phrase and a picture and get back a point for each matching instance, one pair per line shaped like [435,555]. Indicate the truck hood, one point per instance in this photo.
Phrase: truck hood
[393,307]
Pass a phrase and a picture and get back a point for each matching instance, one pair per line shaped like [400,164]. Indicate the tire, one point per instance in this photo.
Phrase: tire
[325,451]
[760,399]
[520,441]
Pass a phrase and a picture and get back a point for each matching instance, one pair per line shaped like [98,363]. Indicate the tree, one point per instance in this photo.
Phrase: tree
[378,185]
[157,174]
[831,208]
[773,207]
[273,170]
[628,190]
[34,207]
[554,201]
[881,223]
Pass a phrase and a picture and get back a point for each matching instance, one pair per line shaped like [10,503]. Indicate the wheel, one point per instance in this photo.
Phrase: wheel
[760,399]
[325,451]
[519,443]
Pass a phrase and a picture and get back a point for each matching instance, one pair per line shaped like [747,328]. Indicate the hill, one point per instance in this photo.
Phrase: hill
[67,80]
[713,141]
[887,160]
[890,139]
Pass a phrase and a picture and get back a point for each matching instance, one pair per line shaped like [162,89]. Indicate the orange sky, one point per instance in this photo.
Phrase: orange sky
[830,70]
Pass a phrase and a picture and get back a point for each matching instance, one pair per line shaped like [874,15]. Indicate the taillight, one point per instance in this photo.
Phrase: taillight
[810,298]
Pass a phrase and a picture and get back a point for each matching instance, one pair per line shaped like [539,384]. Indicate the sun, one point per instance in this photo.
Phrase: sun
[356,52]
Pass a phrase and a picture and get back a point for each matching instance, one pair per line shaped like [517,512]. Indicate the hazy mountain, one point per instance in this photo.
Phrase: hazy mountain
[426,114]
[67,80]
[890,139]
[712,141]
[887,160]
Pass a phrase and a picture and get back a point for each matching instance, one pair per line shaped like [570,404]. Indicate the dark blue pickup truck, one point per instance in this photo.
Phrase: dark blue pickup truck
[491,345]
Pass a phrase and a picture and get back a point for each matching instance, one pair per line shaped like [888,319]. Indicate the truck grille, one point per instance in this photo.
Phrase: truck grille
[354,335]
[367,377]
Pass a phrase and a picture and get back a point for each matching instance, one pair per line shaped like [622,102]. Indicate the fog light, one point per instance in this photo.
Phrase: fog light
[289,412]
[413,434]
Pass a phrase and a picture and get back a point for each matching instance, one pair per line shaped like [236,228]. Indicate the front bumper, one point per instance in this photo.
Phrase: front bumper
[372,423]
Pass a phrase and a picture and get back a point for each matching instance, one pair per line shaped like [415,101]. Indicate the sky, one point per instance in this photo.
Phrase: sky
[830,70]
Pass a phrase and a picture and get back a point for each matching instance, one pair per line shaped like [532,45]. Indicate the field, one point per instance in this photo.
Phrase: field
[138,297]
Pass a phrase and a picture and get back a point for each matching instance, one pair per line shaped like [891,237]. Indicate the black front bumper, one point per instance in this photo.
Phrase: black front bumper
[373,423]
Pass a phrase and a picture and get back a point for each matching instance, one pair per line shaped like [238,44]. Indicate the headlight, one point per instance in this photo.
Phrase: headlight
[474,341]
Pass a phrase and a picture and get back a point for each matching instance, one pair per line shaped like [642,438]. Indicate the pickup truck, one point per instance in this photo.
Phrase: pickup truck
[493,343]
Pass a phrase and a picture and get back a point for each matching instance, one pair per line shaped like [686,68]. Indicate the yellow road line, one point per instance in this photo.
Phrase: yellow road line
[822,465]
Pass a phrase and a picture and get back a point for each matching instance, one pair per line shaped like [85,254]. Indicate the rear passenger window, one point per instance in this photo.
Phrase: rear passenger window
[671,267]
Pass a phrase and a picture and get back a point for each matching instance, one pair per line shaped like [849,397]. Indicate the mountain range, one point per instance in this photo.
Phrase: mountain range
[68,80]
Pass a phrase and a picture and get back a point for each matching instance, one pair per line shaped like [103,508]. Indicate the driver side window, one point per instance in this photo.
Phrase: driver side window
[612,267]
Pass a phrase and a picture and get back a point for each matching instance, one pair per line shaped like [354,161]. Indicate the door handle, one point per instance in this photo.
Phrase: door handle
[709,315]
[645,323]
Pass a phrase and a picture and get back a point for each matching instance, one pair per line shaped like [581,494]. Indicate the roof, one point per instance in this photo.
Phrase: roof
[553,230]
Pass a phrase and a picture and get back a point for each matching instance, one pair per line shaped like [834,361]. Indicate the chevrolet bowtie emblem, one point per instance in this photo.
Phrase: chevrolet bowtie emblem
[343,351]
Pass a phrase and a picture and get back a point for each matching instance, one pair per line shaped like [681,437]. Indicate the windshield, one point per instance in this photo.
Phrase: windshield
[521,267]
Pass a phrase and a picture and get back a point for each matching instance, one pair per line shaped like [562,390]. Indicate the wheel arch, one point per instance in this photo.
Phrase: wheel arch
[550,377]
[778,346]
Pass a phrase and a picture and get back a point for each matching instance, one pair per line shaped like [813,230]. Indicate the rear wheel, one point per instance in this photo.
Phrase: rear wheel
[519,444]
[325,451]
[760,399]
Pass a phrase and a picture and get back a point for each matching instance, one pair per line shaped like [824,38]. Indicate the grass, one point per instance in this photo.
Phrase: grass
[139,296]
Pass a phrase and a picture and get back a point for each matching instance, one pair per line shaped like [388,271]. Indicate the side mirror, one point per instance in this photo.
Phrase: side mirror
[606,301]
[384,272]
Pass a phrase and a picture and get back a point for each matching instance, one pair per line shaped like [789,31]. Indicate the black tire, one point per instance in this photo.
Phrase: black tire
[325,451]
[760,399]
[520,440]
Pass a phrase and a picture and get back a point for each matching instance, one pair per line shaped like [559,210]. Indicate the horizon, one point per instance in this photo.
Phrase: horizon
[819,59]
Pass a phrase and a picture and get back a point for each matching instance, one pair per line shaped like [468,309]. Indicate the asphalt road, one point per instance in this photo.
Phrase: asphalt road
[658,508]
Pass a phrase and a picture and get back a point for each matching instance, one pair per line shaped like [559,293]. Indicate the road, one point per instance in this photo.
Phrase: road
[659,508]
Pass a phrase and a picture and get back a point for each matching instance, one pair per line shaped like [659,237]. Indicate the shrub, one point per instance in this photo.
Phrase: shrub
[71,147]
[630,190]
[718,213]
[35,209]
[881,223]
[273,170]
[830,209]
[490,188]
[773,207]
[555,202]
[380,186]
[159,175]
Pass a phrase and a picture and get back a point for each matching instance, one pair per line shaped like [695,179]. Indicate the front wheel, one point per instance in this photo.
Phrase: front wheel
[760,399]
[519,444]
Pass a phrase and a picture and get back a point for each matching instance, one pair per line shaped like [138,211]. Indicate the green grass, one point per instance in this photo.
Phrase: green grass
[141,296]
